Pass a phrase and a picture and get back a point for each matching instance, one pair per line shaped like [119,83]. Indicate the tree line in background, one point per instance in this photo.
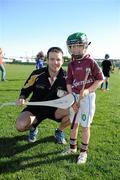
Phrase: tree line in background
[115,62]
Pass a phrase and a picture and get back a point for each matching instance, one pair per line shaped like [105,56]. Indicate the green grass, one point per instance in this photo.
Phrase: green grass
[42,160]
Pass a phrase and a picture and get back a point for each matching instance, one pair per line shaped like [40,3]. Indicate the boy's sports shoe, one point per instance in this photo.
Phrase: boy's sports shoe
[82,158]
[32,135]
[60,137]
[69,151]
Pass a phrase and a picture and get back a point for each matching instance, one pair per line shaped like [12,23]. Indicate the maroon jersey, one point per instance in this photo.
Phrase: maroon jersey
[77,71]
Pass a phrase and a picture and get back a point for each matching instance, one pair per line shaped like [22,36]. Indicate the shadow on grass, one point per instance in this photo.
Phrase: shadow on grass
[23,163]
[9,90]
[16,79]
[10,147]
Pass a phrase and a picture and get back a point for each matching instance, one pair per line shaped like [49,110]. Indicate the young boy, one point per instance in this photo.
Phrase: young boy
[83,77]
[106,68]
[40,60]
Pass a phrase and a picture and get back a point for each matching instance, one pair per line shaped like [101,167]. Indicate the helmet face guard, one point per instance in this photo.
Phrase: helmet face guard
[76,49]
[78,41]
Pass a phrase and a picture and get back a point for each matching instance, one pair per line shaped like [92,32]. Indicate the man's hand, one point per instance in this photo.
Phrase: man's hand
[20,102]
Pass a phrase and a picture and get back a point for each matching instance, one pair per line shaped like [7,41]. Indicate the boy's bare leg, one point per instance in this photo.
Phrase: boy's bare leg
[85,135]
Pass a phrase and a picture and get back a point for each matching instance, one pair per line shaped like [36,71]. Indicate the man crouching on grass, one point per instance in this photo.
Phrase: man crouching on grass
[44,84]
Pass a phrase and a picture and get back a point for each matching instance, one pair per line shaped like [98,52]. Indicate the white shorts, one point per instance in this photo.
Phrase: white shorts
[86,110]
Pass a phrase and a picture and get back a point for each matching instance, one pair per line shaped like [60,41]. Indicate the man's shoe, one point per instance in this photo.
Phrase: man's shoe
[82,158]
[60,137]
[69,151]
[32,135]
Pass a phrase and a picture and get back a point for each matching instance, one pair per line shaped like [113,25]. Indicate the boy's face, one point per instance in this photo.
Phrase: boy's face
[77,49]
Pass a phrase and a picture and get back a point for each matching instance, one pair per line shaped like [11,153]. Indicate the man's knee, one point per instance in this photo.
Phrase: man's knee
[20,124]
[23,121]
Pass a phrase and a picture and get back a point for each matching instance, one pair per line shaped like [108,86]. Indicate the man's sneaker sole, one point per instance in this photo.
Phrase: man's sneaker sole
[32,141]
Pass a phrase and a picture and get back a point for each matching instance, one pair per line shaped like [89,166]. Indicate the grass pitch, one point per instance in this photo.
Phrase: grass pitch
[42,160]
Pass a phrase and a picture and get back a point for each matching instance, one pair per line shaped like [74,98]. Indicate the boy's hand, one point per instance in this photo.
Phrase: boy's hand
[84,93]
[75,107]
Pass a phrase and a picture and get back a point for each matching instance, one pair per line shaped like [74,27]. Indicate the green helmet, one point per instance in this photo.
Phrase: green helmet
[77,38]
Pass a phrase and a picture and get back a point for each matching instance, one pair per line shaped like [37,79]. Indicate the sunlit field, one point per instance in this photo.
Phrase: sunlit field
[42,160]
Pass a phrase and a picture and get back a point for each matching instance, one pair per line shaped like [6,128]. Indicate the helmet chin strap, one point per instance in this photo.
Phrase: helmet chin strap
[80,56]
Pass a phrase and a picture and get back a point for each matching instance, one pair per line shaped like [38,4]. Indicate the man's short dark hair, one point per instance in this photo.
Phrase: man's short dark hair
[54,49]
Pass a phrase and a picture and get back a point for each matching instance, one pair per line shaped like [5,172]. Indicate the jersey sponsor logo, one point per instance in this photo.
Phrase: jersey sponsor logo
[76,84]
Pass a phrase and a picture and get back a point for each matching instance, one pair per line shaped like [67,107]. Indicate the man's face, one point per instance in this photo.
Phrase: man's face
[55,61]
